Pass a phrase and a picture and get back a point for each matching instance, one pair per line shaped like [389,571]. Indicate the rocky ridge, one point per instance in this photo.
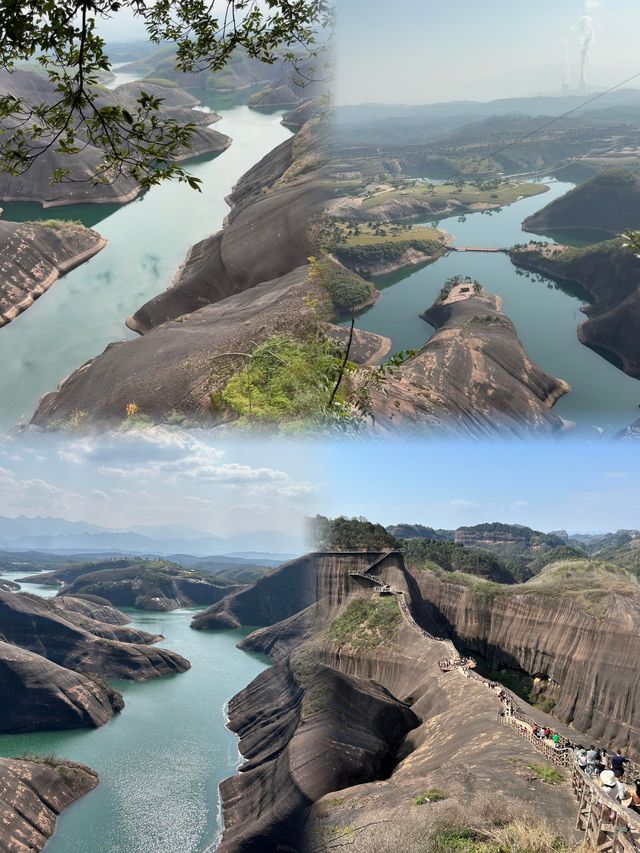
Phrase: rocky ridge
[33,793]
[473,377]
[321,708]
[33,257]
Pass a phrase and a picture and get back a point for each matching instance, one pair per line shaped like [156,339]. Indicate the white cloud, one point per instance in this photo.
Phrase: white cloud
[462,503]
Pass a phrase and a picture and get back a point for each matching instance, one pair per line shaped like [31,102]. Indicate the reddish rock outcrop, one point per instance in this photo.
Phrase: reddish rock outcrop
[33,794]
[588,662]
[36,626]
[40,695]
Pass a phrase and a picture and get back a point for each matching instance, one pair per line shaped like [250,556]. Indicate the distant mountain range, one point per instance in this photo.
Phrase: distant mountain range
[44,533]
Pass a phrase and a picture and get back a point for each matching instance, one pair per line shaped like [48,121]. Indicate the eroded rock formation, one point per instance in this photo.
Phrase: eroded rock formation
[473,377]
[361,717]
[32,257]
[33,793]
[246,283]
[581,645]
[35,184]
[37,694]
[36,626]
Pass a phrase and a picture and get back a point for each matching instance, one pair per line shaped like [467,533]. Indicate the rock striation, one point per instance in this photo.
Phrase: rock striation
[33,257]
[41,695]
[35,184]
[581,647]
[357,715]
[33,793]
[472,378]
[36,626]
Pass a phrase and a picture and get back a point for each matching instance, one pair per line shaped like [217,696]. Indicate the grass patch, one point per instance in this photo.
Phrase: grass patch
[367,623]
[285,379]
[505,194]
[56,224]
[546,773]
[433,795]
[370,234]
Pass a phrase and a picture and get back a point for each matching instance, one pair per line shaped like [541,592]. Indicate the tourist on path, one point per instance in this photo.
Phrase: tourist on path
[617,764]
[634,805]
[593,759]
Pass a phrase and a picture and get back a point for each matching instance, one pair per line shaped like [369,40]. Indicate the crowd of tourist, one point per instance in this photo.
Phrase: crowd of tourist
[605,768]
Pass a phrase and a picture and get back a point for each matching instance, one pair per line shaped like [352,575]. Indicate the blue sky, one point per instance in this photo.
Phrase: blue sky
[157,477]
[167,477]
[576,486]
[420,51]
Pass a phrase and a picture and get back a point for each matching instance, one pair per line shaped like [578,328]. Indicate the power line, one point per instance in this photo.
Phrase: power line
[554,120]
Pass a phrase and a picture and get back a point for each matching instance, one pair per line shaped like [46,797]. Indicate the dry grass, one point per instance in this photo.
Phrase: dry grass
[488,823]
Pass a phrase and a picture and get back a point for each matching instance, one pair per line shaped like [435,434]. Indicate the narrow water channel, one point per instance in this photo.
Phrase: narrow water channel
[545,313]
[148,240]
[161,760]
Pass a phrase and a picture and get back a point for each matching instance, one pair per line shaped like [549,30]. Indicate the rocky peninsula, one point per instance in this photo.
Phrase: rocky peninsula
[247,282]
[33,793]
[473,377]
[39,627]
[35,184]
[33,256]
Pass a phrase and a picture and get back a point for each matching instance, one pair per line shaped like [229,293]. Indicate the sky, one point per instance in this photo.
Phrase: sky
[164,476]
[421,51]
[564,485]
[159,476]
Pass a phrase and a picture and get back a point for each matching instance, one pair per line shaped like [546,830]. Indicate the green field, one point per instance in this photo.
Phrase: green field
[368,236]
[504,194]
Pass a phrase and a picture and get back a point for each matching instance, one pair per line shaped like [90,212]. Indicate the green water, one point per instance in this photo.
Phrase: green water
[160,761]
[545,313]
[148,239]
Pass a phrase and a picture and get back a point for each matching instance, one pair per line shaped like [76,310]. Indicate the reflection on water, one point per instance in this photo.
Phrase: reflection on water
[546,313]
[161,760]
[148,239]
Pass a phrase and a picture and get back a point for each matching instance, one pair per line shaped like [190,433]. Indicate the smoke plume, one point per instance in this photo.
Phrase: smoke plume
[587,28]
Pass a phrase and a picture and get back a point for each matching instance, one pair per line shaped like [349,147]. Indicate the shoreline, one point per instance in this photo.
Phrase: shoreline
[58,272]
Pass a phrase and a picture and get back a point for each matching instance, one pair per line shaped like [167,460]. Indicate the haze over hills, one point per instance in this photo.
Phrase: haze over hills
[58,534]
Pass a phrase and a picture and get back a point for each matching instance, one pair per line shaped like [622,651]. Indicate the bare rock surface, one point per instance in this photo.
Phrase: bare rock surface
[584,657]
[37,627]
[32,796]
[310,726]
[40,695]
[234,290]
[33,257]
[473,377]
[35,184]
